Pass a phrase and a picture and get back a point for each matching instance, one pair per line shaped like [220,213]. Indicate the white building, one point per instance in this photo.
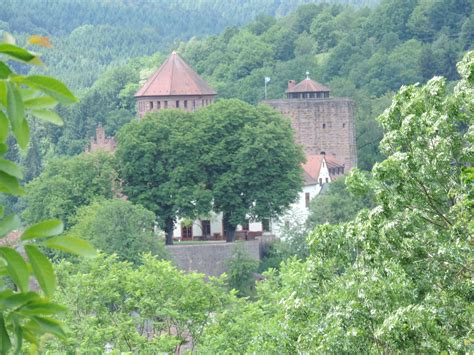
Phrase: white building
[318,171]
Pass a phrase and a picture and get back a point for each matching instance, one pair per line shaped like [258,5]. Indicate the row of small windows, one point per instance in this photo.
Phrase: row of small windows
[157,105]
[308,95]
[336,171]
[343,125]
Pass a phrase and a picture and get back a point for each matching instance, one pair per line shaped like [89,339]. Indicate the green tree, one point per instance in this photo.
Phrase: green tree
[27,313]
[69,183]
[159,162]
[241,270]
[120,227]
[250,159]
[336,205]
[146,309]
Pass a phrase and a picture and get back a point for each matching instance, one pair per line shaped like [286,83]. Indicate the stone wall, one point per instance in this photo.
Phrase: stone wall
[323,125]
[209,258]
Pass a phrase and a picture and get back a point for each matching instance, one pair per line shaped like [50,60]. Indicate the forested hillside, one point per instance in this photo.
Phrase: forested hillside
[362,53]
[90,35]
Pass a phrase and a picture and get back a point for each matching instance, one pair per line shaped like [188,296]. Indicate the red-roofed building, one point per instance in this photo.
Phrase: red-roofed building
[174,85]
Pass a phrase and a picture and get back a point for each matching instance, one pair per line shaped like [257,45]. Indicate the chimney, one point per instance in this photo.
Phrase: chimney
[291,84]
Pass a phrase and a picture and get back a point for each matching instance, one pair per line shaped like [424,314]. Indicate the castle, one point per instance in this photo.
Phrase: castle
[324,126]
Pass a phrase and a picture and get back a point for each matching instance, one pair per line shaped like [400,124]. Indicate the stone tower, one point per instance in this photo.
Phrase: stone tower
[174,85]
[322,124]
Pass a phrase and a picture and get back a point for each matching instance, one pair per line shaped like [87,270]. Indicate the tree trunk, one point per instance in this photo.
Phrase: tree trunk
[169,227]
[229,229]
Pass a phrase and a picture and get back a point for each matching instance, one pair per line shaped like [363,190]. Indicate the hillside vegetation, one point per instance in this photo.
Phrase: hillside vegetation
[90,35]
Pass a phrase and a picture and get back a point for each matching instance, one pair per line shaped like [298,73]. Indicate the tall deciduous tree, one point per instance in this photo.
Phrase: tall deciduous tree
[251,161]
[158,160]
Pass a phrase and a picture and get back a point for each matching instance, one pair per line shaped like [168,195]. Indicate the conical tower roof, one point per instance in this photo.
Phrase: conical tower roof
[175,78]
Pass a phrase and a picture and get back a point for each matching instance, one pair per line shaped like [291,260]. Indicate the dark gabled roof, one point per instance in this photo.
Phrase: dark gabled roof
[175,78]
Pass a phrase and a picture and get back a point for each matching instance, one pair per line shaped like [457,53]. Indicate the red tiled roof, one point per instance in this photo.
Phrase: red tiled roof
[308,85]
[175,77]
[311,168]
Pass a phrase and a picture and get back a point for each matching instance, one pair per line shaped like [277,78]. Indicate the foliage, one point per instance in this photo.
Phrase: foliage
[241,271]
[398,277]
[118,227]
[159,162]
[336,204]
[147,309]
[26,314]
[250,160]
[67,184]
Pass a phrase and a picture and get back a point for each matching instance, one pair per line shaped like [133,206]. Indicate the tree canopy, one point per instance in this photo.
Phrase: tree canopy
[251,162]
[118,227]
[68,183]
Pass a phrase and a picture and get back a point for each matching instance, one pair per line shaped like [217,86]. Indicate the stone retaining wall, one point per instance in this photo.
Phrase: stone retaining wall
[210,258]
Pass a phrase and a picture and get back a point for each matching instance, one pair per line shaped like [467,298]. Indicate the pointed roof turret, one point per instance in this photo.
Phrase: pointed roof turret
[175,78]
[308,85]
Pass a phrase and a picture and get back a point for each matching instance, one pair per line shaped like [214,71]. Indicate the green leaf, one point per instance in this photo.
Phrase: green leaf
[49,116]
[10,184]
[71,245]
[16,52]
[41,308]
[18,299]
[8,224]
[3,148]
[19,337]
[42,269]
[3,127]
[47,228]
[16,114]
[10,168]
[17,268]
[4,71]
[5,343]
[48,325]
[50,87]
[3,93]
[40,102]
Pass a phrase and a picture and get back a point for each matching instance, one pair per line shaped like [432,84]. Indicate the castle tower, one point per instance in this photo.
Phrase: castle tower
[174,85]
[322,124]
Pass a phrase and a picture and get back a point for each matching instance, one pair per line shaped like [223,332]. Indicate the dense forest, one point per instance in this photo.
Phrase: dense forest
[383,263]
[90,35]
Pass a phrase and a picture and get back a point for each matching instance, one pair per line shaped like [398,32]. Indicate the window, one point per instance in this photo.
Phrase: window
[158,105]
[194,105]
[186,231]
[311,95]
[306,199]
[245,225]
[327,179]
[206,228]
[318,95]
[177,103]
[202,102]
[166,104]
[266,225]
[324,125]
[343,125]
[151,105]
[185,103]
[320,181]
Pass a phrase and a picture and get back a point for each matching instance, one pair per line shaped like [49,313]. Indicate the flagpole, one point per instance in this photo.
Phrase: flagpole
[267,80]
